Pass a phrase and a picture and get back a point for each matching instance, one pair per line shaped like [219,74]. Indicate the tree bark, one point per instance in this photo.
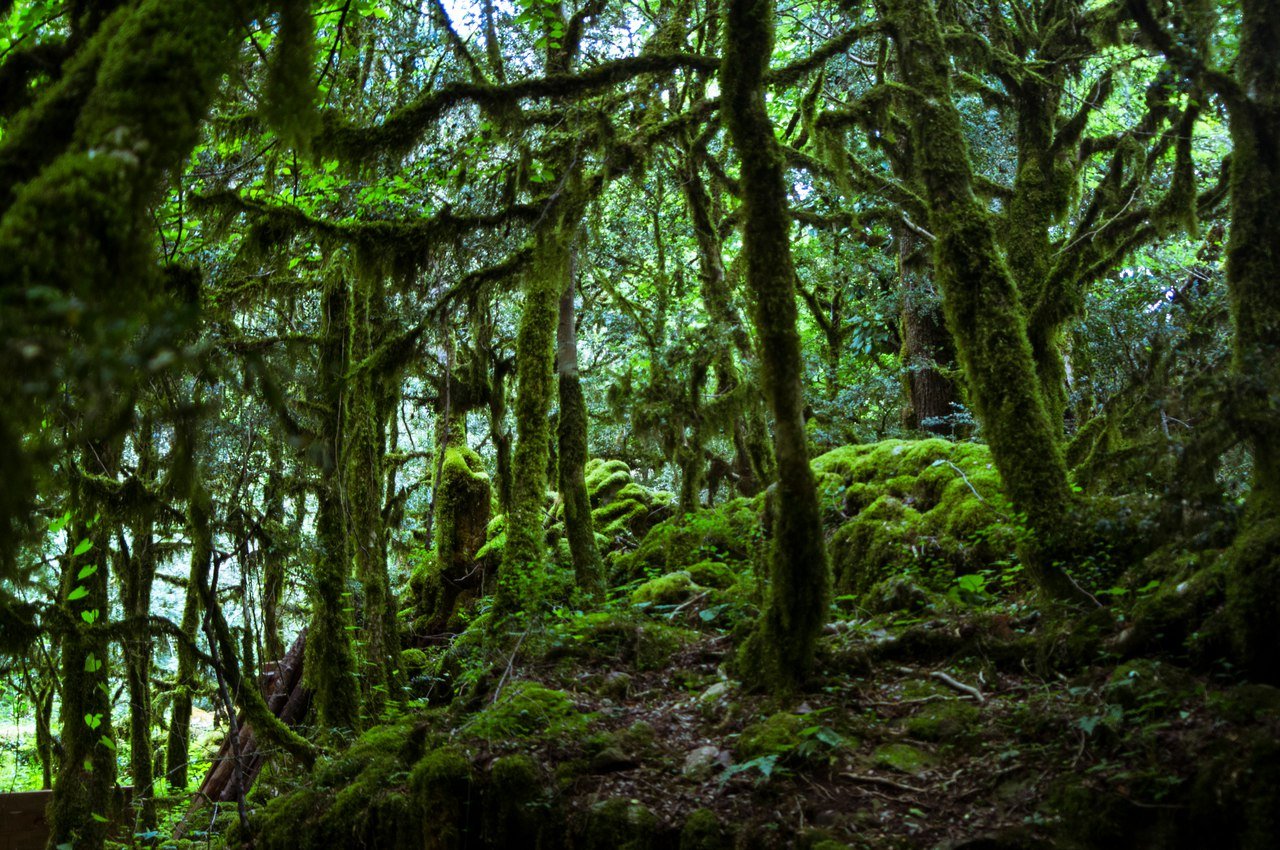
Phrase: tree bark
[571,430]
[780,653]
[984,313]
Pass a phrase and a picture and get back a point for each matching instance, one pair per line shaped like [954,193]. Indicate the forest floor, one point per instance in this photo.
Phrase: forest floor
[966,746]
[928,731]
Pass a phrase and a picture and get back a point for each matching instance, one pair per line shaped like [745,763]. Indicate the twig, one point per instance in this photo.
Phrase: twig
[510,663]
[959,686]
[880,780]
[686,604]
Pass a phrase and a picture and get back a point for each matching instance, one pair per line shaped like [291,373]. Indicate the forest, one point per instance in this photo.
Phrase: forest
[639,424]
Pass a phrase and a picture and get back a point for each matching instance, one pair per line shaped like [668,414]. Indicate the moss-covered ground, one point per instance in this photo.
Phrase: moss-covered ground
[945,710]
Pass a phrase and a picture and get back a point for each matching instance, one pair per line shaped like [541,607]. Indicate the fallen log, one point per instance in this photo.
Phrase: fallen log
[288,699]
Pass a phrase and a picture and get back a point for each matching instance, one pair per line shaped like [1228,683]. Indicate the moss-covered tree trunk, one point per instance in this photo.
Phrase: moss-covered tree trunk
[983,309]
[79,809]
[177,752]
[780,653]
[524,556]
[1253,277]
[571,433]
[273,553]
[362,474]
[330,669]
[139,571]
[926,346]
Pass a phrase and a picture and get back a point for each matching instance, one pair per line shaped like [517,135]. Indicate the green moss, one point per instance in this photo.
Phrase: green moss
[462,524]
[730,534]
[622,509]
[904,758]
[702,831]
[712,574]
[943,721]
[670,589]
[518,812]
[778,734]
[441,783]
[1252,571]
[929,506]
[617,824]
[1148,685]
[414,661]
[524,710]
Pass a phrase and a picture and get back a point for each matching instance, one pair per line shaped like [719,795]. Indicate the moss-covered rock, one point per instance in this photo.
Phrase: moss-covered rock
[904,758]
[620,638]
[527,709]
[730,534]
[702,831]
[441,784]
[929,507]
[712,574]
[669,589]
[776,735]
[622,508]
[945,722]
[617,824]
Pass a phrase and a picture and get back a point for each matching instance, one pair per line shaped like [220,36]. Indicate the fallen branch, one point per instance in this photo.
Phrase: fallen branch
[969,690]
[880,780]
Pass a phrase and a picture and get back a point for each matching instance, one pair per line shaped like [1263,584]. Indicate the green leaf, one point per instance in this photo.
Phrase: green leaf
[60,523]
[99,818]
[93,721]
[85,572]
[92,664]
[108,743]
[89,616]
[82,547]
[79,593]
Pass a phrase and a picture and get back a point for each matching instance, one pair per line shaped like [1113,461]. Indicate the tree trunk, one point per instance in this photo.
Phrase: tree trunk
[780,653]
[926,347]
[362,476]
[87,767]
[330,667]
[571,430]
[1253,278]
[983,310]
